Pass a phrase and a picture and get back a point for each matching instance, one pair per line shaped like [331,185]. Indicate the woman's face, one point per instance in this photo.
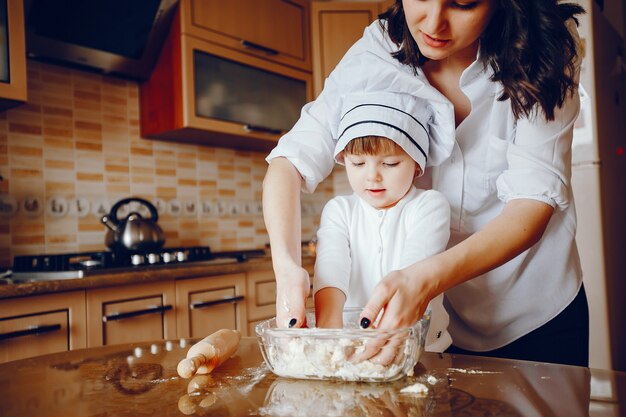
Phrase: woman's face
[447,28]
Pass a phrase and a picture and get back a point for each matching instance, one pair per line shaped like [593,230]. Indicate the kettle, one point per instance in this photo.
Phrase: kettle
[134,233]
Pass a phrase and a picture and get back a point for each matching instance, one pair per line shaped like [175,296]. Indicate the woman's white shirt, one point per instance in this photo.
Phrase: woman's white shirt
[358,245]
[488,160]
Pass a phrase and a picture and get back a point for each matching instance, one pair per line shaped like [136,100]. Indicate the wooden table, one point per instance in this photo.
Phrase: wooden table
[141,380]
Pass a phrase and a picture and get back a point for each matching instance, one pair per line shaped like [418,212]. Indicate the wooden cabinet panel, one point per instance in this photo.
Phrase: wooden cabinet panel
[206,305]
[131,313]
[40,325]
[276,30]
[262,297]
[335,27]
[174,99]
[13,89]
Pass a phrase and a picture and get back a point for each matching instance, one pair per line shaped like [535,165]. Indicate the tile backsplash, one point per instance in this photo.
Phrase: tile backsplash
[74,149]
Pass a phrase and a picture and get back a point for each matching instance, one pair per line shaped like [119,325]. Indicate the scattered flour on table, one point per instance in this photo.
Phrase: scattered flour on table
[417,388]
[472,371]
[303,358]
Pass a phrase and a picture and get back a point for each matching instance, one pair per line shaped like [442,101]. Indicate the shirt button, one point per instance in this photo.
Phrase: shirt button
[381,213]
[452,160]
[380,249]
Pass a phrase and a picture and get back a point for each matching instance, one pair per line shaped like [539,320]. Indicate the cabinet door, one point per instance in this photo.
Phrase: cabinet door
[132,313]
[262,297]
[335,27]
[12,54]
[208,94]
[206,305]
[40,325]
[276,30]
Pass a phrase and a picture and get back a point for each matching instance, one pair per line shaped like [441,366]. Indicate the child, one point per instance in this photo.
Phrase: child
[387,224]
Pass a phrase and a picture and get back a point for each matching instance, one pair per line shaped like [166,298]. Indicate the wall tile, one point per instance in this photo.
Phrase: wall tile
[78,136]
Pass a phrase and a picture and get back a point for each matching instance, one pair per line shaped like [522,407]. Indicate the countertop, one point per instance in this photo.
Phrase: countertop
[141,380]
[139,275]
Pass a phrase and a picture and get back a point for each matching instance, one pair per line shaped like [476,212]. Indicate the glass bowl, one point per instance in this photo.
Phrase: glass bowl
[342,354]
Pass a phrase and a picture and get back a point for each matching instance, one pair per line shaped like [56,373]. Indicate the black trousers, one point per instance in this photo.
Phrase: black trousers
[564,339]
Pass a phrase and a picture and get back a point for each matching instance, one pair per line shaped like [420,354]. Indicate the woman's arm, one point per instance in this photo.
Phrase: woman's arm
[281,211]
[405,293]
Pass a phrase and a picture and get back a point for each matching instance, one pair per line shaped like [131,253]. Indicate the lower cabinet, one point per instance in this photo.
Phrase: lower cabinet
[131,313]
[184,308]
[43,324]
[208,304]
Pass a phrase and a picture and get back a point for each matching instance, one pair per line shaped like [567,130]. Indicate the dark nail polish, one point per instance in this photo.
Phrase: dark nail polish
[292,322]
[365,323]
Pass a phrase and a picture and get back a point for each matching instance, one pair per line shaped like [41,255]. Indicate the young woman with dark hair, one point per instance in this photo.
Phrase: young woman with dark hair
[501,77]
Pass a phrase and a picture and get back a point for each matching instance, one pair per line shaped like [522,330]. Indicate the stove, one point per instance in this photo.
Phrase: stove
[82,264]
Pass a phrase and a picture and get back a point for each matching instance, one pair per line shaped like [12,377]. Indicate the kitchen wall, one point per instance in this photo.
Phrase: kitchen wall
[75,149]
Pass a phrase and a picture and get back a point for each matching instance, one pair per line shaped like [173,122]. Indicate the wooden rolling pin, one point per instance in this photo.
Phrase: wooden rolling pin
[209,353]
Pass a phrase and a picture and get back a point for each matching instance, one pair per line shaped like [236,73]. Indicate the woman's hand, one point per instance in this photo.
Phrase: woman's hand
[402,298]
[292,289]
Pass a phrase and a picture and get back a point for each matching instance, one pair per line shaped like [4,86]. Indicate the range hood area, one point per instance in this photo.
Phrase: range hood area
[115,37]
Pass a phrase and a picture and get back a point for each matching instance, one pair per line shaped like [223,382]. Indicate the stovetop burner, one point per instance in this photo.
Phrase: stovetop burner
[77,265]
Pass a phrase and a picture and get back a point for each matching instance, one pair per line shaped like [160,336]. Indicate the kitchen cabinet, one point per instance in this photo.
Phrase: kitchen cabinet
[12,54]
[33,326]
[274,30]
[131,313]
[207,304]
[207,93]
[335,27]
[262,297]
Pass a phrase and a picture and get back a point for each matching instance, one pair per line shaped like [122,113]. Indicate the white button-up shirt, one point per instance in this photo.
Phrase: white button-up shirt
[358,245]
[488,160]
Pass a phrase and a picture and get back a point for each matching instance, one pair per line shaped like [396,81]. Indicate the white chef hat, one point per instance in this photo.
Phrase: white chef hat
[402,118]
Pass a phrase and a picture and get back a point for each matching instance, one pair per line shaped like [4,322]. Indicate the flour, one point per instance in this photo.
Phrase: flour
[321,359]
[472,371]
[417,388]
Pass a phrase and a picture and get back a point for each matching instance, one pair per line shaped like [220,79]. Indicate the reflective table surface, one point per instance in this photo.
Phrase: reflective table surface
[141,380]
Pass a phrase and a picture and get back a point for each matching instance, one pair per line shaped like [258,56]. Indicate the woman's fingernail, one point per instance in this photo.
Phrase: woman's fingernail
[365,323]
[292,322]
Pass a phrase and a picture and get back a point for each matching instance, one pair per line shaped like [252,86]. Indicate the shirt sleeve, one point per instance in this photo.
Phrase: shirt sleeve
[332,253]
[539,159]
[428,227]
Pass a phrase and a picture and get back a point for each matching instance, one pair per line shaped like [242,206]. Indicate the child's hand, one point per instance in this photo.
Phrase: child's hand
[329,303]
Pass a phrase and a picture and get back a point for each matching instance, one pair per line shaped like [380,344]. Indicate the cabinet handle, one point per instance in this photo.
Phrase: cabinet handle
[151,310]
[252,45]
[262,129]
[205,304]
[37,330]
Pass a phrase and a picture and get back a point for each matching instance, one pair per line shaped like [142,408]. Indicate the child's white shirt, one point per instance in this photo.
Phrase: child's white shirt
[358,245]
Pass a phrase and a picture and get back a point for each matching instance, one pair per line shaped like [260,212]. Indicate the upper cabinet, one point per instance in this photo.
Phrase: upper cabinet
[277,30]
[229,75]
[335,27]
[12,54]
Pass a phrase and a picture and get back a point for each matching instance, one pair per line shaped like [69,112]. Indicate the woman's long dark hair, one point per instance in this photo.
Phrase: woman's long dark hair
[527,44]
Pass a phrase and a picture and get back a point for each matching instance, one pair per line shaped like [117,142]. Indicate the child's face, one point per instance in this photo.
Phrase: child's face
[383,179]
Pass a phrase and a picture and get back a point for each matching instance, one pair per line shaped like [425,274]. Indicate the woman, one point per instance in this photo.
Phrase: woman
[501,76]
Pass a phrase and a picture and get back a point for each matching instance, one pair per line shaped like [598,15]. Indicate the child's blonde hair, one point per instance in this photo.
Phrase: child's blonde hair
[375,145]
[371,145]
